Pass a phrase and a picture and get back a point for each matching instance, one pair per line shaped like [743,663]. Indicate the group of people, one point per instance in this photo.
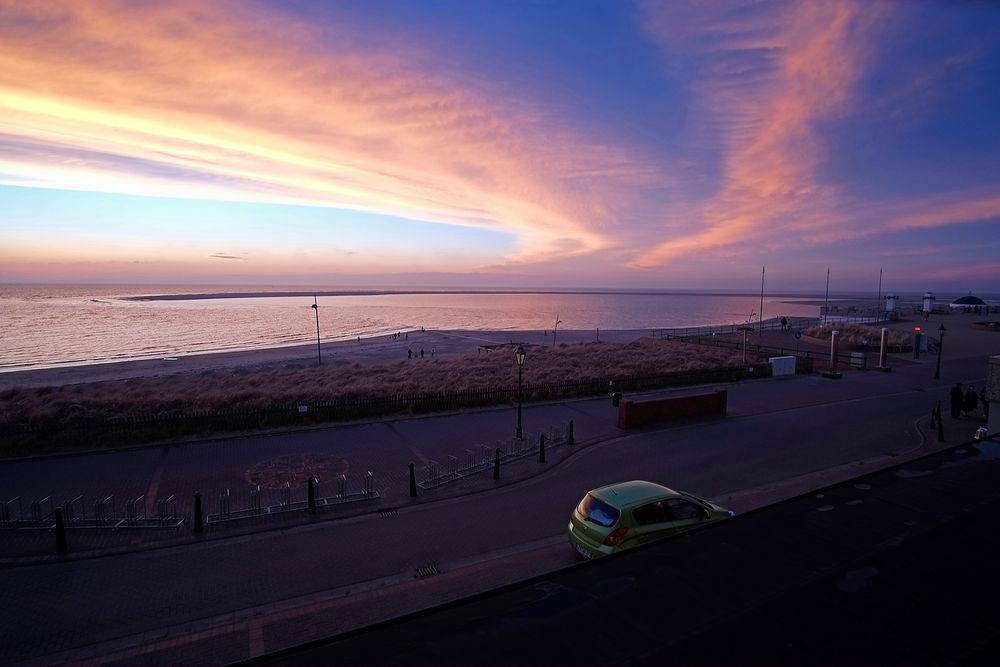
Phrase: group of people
[967,401]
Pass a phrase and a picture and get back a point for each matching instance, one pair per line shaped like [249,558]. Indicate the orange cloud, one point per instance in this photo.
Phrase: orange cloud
[767,80]
[209,100]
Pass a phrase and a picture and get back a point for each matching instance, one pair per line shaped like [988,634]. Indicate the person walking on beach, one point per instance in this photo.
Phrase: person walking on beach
[957,398]
[409,354]
[971,401]
[784,323]
[421,353]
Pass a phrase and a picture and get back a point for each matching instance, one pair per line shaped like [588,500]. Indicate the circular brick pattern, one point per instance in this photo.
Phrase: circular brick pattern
[295,470]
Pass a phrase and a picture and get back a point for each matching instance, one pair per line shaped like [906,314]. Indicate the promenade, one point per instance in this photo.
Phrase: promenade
[788,408]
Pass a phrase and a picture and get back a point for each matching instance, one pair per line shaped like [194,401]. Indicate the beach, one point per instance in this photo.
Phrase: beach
[366,351]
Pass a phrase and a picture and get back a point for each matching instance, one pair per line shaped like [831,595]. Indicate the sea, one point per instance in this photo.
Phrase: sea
[44,326]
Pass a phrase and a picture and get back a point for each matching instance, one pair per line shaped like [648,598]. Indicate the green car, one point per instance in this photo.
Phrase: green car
[619,516]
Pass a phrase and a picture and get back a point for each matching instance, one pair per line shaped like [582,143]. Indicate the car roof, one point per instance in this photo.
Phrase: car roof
[622,494]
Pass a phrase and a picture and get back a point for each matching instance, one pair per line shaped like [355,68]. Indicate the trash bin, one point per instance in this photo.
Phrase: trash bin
[616,398]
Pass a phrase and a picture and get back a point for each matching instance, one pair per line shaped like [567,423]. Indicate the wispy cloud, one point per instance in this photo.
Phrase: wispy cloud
[220,255]
[769,71]
[215,101]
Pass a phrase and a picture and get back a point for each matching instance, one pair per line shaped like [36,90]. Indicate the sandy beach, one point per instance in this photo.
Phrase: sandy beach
[366,351]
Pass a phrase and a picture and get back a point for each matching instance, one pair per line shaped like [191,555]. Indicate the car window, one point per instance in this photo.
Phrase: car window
[657,512]
[685,509]
[598,511]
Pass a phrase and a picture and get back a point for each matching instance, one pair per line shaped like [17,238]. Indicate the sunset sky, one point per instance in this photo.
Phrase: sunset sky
[512,143]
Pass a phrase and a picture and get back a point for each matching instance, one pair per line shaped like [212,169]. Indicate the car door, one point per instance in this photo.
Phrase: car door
[686,514]
[651,521]
[664,517]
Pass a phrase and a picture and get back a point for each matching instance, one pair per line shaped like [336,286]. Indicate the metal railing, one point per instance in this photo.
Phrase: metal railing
[481,457]
[256,507]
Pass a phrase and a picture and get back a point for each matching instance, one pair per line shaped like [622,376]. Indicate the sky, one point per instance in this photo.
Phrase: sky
[513,143]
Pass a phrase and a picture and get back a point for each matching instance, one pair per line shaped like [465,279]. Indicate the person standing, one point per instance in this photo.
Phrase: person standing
[784,323]
[971,400]
[957,399]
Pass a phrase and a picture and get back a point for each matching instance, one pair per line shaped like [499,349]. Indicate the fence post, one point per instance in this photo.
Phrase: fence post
[312,495]
[496,464]
[933,418]
[569,438]
[413,482]
[541,448]
[199,520]
[940,423]
[60,532]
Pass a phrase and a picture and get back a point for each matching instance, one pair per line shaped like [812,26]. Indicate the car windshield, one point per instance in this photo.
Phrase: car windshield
[598,511]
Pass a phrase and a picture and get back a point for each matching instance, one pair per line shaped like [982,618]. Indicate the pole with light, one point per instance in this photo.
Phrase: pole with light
[519,355]
[554,329]
[319,354]
[937,371]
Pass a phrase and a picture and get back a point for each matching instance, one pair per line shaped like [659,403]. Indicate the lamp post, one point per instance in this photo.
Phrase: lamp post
[519,355]
[554,329]
[937,370]
[319,354]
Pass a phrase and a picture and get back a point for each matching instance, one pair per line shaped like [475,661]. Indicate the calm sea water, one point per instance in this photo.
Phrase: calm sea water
[68,325]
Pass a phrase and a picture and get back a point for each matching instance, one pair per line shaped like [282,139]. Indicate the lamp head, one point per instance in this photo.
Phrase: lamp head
[519,354]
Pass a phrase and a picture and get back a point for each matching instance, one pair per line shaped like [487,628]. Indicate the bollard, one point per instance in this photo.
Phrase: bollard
[933,418]
[940,428]
[569,437]
[199,521]
[413,482]
[60,532]
[312,495]
[541,448]
[496,464]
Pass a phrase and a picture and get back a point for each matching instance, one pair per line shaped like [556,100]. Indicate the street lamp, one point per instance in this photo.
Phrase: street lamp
[519,355]
[937,371]
[554,329]
[319,355]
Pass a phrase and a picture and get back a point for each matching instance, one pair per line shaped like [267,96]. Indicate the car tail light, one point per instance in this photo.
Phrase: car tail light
[615,537]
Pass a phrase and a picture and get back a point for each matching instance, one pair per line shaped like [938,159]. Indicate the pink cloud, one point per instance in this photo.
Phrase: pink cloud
[234,104]
[770,72]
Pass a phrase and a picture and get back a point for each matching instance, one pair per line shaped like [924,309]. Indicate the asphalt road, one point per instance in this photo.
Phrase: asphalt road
[176,591]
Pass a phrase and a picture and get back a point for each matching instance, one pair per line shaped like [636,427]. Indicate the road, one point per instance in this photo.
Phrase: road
[76,609]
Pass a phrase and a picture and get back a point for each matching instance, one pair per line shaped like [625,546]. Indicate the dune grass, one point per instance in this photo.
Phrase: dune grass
[260,389]
[858,334]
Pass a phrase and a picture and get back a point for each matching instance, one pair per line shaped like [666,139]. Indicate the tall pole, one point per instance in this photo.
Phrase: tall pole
[760,319]
[319,354]
[878,296]
[519,356]
[520,399]
[826,303]
[555,329]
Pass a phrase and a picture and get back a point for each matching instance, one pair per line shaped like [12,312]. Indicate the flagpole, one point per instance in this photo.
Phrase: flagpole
[760,318]
[826,302]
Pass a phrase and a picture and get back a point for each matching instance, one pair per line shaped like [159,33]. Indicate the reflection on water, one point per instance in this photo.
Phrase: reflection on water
[42,325]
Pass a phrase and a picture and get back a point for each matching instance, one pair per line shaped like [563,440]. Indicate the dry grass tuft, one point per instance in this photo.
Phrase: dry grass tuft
[857,334]
[245,388]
